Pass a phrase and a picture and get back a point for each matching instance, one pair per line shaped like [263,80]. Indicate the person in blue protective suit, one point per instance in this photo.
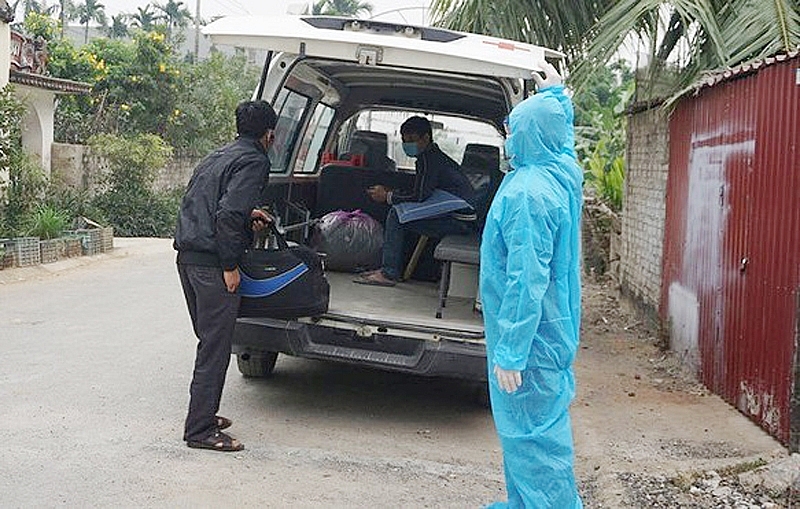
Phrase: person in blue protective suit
[530,287]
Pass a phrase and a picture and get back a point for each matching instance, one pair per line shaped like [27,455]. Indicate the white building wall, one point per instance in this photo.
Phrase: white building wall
[5,53]
[37,124]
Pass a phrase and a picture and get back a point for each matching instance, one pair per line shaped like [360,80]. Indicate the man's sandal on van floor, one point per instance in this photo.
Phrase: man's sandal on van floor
[218,441]
[223,423]
[374,279]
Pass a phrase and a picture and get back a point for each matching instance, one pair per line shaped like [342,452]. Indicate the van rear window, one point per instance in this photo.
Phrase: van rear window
[290,107]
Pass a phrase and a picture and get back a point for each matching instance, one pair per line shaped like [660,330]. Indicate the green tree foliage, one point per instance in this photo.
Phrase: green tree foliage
[175,15]
[40,25]
[88,11]
[26,180]
[202,118]
[135,86]
[712,34]
[553,23]
[600,131]
[26,189]
[130,204]
[119,27]
[141,86]
[145,18]
[341,7]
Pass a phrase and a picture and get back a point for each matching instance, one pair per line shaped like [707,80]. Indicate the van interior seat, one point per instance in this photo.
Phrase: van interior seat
[345,188]
[464,249]
[374,146]
[479,163]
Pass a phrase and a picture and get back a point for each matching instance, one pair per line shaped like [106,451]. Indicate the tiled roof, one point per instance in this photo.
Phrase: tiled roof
[712,78]
[57,85]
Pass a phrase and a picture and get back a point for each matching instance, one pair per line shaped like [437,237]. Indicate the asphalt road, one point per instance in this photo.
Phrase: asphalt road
[96,355]
[95,362]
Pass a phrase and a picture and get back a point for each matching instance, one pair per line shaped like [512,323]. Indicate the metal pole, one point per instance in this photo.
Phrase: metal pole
[197,32]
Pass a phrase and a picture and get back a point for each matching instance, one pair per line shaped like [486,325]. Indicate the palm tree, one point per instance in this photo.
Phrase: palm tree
[90,10]
[350,8]
[553,23]
[318,8]
[119,27]
[590,33]
[714,34]
[175,14]
[36,6]
[66,12]
[145,18]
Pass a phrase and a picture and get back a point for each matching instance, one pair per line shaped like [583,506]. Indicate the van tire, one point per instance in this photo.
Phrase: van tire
[257,365]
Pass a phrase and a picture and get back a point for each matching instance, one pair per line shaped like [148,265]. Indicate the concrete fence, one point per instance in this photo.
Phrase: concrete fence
[77,167]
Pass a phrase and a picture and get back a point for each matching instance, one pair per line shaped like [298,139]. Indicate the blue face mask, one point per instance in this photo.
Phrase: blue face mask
[411,149]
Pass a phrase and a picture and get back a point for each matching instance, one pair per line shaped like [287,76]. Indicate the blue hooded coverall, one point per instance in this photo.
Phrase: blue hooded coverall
[530,287]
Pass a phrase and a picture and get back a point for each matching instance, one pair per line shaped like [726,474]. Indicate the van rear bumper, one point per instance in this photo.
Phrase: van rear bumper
[367,346]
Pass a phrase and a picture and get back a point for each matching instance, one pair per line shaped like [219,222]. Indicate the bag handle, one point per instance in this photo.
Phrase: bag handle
[273,230]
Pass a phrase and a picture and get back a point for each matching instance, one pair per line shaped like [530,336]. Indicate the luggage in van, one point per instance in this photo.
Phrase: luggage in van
[283,281]
[351,241]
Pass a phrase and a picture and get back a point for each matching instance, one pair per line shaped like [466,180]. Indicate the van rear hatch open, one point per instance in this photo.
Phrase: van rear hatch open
[334,69]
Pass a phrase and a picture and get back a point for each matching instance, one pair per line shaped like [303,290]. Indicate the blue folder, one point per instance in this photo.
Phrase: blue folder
[439,203]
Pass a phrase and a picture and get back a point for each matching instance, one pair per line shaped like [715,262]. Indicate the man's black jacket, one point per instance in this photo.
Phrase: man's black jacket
[436,170]
[214,221]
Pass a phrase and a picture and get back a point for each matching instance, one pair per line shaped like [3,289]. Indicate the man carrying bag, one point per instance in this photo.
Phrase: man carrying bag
[217,214]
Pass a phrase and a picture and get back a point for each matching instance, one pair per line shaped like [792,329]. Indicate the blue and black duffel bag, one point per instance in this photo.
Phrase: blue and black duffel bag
[282,282]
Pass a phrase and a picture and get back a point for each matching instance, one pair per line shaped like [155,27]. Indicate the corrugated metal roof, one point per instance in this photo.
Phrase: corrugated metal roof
[711,78]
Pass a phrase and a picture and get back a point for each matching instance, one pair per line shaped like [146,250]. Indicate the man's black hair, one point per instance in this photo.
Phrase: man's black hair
[254,118]
[417,125]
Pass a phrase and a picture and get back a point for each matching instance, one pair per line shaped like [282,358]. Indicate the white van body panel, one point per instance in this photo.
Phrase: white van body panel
[468,53]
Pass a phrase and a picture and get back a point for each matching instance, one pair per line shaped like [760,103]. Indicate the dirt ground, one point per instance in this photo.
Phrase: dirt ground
[74,342]
[647,433]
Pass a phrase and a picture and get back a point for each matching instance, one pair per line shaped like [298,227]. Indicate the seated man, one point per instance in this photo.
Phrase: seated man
[435,170]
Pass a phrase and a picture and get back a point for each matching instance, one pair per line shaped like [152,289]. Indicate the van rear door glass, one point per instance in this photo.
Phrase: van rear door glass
[451,133]
[290,107]
[314,138]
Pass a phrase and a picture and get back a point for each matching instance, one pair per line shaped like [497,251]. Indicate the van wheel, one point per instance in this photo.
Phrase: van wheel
[257,365]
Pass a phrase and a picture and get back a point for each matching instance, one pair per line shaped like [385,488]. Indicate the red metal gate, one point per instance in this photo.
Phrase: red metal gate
[731,272]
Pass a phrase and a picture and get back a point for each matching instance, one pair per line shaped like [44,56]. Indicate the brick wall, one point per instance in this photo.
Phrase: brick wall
[642,230]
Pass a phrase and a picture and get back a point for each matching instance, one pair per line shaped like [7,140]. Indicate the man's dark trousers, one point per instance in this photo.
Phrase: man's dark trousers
[213,311]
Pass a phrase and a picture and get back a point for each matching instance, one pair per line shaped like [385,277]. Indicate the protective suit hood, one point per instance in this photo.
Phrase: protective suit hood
[542,136]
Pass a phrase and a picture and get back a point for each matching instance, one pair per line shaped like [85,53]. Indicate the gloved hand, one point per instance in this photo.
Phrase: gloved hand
[551,76]
[509,380]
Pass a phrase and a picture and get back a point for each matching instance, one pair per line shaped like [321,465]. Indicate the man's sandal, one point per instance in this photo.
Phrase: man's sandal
[223,423]
[218,441]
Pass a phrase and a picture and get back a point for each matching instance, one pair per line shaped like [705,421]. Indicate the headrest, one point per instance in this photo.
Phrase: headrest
[371,142]
[480,158]
[479,163]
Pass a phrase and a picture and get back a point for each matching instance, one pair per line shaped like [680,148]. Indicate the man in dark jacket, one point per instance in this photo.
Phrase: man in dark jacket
[434,170]
[214,229]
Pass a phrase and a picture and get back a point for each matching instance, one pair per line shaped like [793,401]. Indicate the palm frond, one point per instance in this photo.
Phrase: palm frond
[757,29]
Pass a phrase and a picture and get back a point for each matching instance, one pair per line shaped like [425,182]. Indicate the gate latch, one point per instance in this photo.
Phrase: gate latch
[368,55]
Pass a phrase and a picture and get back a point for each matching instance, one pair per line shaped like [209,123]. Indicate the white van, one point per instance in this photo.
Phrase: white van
[334,79]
